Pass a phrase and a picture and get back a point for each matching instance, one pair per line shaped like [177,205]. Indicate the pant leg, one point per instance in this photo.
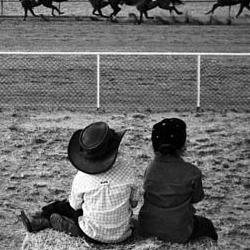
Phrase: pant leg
[203,227]
[63,208]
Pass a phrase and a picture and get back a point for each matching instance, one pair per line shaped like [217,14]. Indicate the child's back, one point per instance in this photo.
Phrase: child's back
[107,202]
[169,194]
[171,186]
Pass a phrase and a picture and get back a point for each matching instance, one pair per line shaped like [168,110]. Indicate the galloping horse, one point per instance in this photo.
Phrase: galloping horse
[163,4]
[30,4]
[222,3]
[97,6]
[142,6]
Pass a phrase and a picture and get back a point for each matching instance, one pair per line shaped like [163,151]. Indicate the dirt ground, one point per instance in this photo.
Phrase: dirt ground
[35,169]
[33,159]
[83,34]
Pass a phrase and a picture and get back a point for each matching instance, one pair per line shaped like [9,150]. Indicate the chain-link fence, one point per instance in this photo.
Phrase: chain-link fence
[125,82]
[225,82]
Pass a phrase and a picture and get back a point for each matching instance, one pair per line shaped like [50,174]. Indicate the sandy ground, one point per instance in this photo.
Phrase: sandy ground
[35,169]
[83,34]
[33,160]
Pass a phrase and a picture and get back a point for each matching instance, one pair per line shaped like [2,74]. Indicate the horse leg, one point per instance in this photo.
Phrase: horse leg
[141,17]
[102,5]
[176,11]
[25,14]
[215,6]
[146,15]
[94,12]
[114,5]
[115,12]
[165,5]
[55,8]
[229,11]
[51,6]
[99,13]
[32,12]
[240,10]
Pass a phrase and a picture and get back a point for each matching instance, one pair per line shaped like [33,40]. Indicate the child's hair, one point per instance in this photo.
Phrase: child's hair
[169,136]
[167,149]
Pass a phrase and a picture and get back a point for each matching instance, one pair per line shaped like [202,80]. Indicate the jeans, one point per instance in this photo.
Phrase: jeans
[64,209]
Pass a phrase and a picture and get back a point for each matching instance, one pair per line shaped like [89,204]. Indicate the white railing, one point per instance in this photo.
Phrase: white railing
[98,55]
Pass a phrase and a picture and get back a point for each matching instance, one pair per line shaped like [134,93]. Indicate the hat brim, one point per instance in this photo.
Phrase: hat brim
[91,166]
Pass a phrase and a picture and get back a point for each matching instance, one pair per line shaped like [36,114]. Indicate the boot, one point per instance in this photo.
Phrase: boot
[66,225]
[35,223]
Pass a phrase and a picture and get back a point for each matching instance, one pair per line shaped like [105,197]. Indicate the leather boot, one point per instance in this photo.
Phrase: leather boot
[35,223]
[66,225]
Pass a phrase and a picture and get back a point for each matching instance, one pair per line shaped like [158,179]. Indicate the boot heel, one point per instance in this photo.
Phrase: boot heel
[64,224]
[35,223]
[25,221]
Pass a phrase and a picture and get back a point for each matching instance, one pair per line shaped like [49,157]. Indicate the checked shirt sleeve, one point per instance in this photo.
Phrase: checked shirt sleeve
[76,197]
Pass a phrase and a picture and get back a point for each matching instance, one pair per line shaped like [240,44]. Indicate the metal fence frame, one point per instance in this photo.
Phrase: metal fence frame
[98,55]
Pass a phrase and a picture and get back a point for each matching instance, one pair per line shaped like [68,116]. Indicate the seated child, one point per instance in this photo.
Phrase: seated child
[171,186]
[103,191]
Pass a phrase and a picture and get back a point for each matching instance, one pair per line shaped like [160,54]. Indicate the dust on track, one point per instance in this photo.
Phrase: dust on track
[83,34]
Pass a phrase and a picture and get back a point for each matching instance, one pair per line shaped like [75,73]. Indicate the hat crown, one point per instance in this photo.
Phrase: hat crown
[170,131]
[94,149]
[94,136]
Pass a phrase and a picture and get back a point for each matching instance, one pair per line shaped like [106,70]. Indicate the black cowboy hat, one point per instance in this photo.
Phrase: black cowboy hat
[94,149]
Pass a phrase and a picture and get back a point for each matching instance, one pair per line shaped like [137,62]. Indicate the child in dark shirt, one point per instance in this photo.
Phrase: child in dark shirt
[171,186]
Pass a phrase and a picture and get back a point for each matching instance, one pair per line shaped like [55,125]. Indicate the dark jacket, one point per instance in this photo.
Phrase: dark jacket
[171,185]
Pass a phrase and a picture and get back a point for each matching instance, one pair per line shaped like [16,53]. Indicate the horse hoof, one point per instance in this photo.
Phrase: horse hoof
[134,18]
[113,19]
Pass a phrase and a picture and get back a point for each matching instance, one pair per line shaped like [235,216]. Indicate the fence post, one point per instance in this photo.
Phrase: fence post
[1,7]
[98,82]
[198,82]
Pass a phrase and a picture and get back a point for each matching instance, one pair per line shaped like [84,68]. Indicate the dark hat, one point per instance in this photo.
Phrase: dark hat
[169,132]
[94,149]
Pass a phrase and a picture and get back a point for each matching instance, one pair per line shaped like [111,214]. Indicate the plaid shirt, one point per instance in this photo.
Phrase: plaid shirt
[105,199]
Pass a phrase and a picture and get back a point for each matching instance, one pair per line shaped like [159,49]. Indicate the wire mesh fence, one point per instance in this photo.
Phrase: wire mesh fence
[42,81]
[149,82]
[225,82]
[125,82]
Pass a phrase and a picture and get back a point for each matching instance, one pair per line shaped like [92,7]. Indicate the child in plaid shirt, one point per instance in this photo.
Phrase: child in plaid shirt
[104,190]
